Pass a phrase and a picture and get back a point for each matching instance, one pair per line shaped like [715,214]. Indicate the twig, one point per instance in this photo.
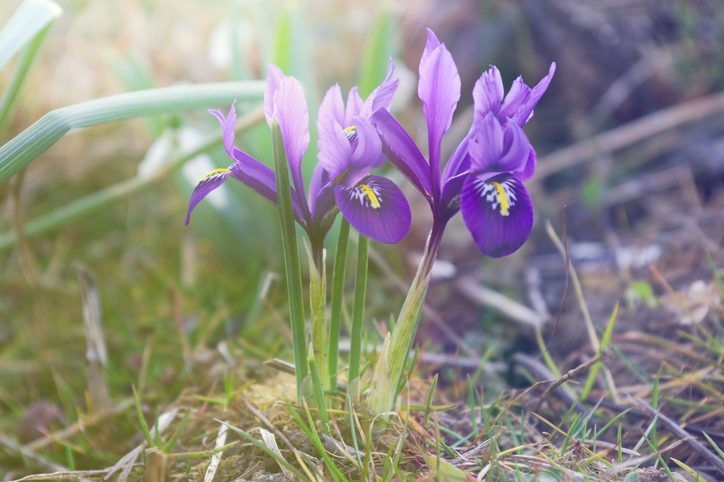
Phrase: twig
[96,353]
[570,374]
[504,305]
[676,429]
[78,426]
[592,336]
[11,445]
[630,133]
[263,419]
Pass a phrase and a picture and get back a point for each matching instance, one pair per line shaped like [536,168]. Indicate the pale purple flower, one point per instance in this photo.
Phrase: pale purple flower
[349,148]
[484,176]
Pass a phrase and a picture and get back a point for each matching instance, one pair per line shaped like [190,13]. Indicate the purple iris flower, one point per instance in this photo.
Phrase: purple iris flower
[484,176]
[349,148]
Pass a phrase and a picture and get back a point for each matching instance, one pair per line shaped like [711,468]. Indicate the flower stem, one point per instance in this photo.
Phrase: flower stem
[340,265]
[393,355]
[292,267]
[318,309]
[358,314]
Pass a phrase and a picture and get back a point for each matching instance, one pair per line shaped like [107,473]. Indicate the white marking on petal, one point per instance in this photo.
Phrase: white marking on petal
[490,192]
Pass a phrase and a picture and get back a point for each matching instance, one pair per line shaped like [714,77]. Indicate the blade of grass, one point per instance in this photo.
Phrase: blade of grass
[36,139]
[605,341]
[108,195]
[292,265]
[318,391]
[360,290]
[26,61]
[338,276]
[261,446]
[31,17]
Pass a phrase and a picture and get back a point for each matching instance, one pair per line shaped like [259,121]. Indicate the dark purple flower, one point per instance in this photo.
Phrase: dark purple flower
[484,176]
[349,148]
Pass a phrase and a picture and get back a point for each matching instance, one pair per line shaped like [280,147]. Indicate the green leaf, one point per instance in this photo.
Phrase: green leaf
[36,139]
[31,17]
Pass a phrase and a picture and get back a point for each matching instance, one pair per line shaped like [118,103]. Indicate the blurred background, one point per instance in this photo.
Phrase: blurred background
[630,140]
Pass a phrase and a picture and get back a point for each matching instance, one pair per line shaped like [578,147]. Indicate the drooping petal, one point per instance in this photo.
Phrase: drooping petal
[521,99]
[439,90]
[228,125]
[255,174]
[376,208]
[381,96]
[208,183]
[274,77]
[290,111]
[498,212]
[402,151]
[332,107]
[488,93]
[530,165]
[496,147]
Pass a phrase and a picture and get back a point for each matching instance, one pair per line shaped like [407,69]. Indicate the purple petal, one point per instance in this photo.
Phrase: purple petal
[439,90]
[399,147]
[354,106]
[274,78]
[381,97]
[255,174]
[521,99]
[261,179]
[496,147]
[332,108]
[321,195]
[530,165]
[367,153]
[228,125]
[290,111]
[335,150]
[208,183]
[488,93]
[376,208]
[498,212]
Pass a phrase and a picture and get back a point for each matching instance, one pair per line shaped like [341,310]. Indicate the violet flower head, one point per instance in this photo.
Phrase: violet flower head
[349,148]
[484,176]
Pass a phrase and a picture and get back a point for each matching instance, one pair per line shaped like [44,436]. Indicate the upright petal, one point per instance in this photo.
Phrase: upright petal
[498,213]
[381,97]
[335,150]
[367,152]
[208,183]
[290,111]
[354,106]
[376,208]
[521,99]
[439,90]
[399,147]
[274,77]
[488,93]
[496,147]
[332,108]
[228,126]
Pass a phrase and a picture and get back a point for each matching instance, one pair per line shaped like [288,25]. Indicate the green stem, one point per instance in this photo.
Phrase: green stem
[318,308]
[291,260]
[340,265]
[358,314]
[318,390]
[393,355]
